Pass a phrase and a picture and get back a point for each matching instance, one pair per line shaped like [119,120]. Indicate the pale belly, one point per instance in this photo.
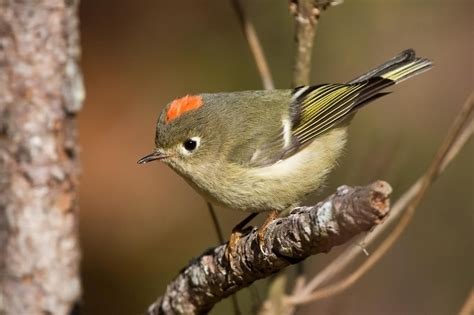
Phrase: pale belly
[275,187]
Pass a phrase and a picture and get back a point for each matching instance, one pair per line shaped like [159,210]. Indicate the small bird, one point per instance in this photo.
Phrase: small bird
[258,151]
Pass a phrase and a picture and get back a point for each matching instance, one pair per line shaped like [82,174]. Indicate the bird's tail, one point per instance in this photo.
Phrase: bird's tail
[399,68]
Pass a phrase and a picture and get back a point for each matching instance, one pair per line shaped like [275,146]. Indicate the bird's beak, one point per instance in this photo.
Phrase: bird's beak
[155,155]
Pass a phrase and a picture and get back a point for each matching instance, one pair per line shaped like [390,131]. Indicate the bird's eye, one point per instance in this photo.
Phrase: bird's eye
[190,144]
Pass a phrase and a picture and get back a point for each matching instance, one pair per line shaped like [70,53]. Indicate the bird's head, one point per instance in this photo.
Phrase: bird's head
[185,137]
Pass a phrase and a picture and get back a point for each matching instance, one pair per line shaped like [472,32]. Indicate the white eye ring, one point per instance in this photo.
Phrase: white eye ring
[190,145]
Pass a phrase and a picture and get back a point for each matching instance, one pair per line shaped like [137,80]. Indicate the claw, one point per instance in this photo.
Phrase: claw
[235,236]
[230,250]
[263,228]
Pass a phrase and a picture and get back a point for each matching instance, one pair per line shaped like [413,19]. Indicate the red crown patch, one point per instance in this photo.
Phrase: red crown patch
[182,105]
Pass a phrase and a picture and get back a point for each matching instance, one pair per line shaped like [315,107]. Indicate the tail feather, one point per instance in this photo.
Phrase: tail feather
[408,70]
[401,67]
[316,109]
[398,69]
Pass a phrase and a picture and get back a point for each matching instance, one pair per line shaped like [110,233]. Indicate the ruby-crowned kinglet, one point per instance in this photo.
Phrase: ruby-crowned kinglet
[266,150]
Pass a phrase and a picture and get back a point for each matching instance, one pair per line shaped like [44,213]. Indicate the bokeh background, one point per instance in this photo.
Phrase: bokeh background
[141,224]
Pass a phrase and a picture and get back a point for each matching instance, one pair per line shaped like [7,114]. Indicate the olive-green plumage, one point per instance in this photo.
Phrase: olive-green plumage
[266,150]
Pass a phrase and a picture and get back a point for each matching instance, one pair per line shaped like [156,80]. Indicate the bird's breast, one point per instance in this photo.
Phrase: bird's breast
[273,187]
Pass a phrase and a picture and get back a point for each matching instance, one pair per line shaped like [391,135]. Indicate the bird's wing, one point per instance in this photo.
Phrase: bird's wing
[313,110]
[317,109]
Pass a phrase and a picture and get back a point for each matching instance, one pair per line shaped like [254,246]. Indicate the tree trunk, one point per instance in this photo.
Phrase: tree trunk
[41,92]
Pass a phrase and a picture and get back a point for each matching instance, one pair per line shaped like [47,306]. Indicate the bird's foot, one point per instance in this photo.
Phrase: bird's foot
[230,250]
[263,228]
[236,235]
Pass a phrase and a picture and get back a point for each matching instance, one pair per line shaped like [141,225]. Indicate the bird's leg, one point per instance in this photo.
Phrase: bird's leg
[263,228]
[236,234]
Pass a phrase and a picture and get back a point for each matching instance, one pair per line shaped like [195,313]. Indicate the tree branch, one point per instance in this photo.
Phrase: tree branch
[306,231]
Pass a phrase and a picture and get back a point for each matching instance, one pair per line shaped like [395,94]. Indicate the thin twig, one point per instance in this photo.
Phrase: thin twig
[461,141]
[254,44]
[306,13]
[459,133]
[215,222]
[468,306]
[306,18]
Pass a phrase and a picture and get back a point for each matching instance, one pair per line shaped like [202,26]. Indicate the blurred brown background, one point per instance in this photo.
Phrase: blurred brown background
[141,224]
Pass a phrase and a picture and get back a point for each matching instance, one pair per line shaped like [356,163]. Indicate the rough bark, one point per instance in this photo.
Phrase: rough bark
[306,231]
[40,94]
